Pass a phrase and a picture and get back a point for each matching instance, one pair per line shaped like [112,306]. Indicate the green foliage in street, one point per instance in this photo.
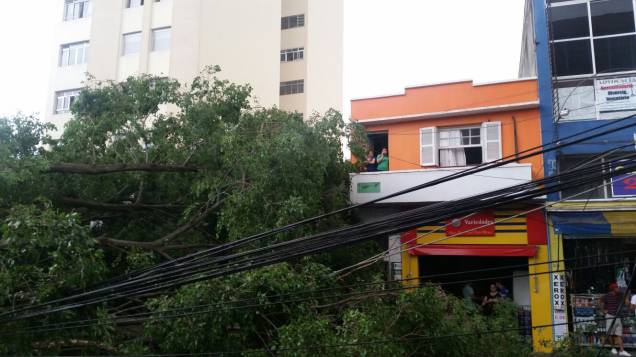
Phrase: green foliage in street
[148,170]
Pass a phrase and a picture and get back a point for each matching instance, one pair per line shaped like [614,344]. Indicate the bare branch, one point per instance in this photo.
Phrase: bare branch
[162,243]
[193,223]
[87,169]
[75,343]
[140,192]
[118,206]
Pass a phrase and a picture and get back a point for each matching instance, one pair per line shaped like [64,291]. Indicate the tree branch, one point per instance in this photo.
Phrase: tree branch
[193,223]
[162,243]
[87,169]
[74,343]
[117,206]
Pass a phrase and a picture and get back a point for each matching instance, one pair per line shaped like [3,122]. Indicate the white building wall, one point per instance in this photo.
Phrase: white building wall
[185,61]
[324,55]
[242,36]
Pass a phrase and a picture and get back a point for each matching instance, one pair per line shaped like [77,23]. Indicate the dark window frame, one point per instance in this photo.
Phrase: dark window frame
[599,32]
[292,87]
[293,21]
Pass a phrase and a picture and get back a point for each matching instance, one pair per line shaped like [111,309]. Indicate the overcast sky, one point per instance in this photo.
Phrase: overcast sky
[389,44]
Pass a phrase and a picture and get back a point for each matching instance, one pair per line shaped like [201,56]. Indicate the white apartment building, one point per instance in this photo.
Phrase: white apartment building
[290,51]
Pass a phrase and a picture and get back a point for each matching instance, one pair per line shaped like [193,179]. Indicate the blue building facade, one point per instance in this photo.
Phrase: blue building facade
[583,53]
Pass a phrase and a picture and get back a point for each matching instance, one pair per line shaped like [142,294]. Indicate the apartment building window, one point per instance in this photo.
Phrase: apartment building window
[292,87]
[161,39]
[462,146]
[64,100]
[593,37]
[131,44]
[289,22]
[134,3]
[76,9]
[73,54]
[292,54]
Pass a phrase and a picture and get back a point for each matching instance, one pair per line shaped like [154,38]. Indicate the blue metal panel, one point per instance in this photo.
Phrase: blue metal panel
[596,145]
[544,74]
[551,130]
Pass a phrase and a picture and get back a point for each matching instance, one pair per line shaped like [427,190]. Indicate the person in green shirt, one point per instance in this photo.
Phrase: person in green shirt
[383,160]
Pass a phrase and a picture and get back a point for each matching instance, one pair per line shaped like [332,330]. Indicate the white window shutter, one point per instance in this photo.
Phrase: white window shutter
[491,141]
[428,146]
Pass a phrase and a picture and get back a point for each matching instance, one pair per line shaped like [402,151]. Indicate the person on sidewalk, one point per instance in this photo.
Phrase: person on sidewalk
[613,323]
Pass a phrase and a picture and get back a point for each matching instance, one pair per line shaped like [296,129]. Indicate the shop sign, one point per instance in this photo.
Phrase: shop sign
[368,187]
[623,185]
[477,225]
[615,97]
[558,306]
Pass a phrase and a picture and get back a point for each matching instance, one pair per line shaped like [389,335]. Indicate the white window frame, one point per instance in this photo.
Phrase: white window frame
[134,3]
[72,54]
[154,39]
[487,140]
[432,146]
[460,128]
[484,140]
[64,100]
[591,38]
[76,9]
[123,43]
[292,54]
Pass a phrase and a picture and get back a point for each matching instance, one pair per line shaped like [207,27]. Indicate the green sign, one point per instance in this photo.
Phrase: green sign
[369,187]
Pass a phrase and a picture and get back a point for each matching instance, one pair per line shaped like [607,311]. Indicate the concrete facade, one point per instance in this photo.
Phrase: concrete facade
[244,37]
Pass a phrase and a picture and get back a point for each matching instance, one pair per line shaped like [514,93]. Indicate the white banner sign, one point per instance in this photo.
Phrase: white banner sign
[559,308]
[615,97]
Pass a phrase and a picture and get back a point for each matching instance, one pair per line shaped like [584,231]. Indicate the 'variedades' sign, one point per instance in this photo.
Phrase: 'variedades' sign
[477,225]
[615,97]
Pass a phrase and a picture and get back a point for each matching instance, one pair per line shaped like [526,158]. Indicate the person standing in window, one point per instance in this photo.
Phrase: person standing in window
[370,162]
[383,160]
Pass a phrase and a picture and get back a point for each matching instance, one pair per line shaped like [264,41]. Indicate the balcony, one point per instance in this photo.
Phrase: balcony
[368,186]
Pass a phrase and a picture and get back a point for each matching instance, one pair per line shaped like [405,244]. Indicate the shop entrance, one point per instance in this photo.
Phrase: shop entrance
[595,263]
[511,271]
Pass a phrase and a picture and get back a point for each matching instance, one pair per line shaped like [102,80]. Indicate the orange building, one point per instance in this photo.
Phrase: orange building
[400,119]
[432,131]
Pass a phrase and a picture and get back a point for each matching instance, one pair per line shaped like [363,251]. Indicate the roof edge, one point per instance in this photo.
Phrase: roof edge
[450,113]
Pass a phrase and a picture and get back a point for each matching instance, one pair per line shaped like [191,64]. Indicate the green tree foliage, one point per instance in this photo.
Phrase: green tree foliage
[148,170]
[21,138]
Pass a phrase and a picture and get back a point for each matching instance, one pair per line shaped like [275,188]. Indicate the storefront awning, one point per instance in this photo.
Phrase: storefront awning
[594,223]
[476,250]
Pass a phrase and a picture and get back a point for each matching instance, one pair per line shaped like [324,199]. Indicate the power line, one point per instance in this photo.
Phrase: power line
[479,168]
[147,316]
[290,251]
[388,252]
[371,230]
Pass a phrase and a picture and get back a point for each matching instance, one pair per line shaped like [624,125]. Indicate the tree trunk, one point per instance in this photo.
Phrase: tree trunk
[87,169]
